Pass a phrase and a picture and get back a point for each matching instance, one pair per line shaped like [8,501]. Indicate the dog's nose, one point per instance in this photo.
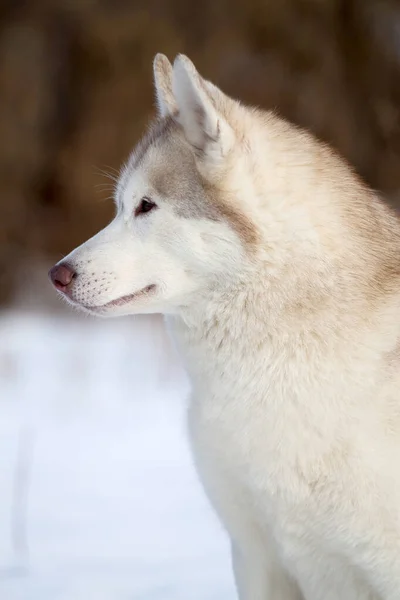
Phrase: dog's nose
[61,276]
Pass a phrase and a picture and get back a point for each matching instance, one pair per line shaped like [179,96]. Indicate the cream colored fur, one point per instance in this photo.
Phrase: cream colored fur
[279,273]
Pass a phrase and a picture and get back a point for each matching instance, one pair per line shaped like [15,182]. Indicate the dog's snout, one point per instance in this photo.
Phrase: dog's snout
[62,275]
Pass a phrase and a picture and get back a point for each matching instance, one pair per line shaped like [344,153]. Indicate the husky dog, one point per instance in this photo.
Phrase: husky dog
[278,271]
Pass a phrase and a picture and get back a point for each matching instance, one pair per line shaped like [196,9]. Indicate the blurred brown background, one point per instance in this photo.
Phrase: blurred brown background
[76,93]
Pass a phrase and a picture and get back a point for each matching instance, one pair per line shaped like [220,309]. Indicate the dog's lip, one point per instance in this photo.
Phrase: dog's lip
[124,299]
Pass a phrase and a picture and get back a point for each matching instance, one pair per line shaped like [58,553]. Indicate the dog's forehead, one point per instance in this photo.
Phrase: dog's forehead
[160,135]
[163,165]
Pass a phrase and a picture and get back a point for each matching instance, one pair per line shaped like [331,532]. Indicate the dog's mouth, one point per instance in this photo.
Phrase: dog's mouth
[118,302]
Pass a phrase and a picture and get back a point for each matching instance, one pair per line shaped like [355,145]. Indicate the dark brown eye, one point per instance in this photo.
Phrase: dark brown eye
[145,206]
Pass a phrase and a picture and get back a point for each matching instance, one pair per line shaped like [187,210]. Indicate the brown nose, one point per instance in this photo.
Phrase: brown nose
[61,276]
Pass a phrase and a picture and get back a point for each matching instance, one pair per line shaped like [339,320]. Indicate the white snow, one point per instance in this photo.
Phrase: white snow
[114,510]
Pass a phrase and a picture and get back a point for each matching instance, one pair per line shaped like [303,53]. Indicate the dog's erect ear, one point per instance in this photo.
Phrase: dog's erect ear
[206,129]
[162,70]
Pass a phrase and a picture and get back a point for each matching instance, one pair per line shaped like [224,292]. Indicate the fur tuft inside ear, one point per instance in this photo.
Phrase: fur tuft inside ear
[207,130]
[162,70]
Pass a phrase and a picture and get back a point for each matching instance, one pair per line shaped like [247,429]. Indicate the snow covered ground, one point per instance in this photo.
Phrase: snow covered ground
[112,509]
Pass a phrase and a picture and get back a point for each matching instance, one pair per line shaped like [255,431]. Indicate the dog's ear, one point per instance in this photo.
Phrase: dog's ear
[205,128]
[162,70]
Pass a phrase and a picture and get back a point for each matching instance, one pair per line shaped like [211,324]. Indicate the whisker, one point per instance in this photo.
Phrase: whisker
[106,198]
[105,186]
[106,174]
[111,169]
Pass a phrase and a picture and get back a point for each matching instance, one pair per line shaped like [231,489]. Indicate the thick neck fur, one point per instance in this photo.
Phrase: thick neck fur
[308,318]
[303,311]
[286,363]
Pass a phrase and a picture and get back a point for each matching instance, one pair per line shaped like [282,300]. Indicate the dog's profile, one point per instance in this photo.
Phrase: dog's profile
[278,271]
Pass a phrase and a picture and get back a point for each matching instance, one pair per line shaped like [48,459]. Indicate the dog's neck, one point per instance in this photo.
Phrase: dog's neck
[294,331]
[219,338]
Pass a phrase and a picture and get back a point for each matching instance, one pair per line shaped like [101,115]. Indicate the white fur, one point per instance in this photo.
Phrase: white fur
[291,342]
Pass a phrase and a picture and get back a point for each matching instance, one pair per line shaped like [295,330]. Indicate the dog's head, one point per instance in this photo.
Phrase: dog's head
[180,228]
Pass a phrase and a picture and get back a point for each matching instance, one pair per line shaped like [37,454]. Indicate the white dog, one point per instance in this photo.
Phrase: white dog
[278,271]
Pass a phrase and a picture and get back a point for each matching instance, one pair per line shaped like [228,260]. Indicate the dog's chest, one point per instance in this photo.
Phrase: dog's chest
[247,445]
[258,429]
[253,450]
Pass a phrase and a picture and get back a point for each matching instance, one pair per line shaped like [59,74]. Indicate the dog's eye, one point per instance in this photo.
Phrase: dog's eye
[145,206]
